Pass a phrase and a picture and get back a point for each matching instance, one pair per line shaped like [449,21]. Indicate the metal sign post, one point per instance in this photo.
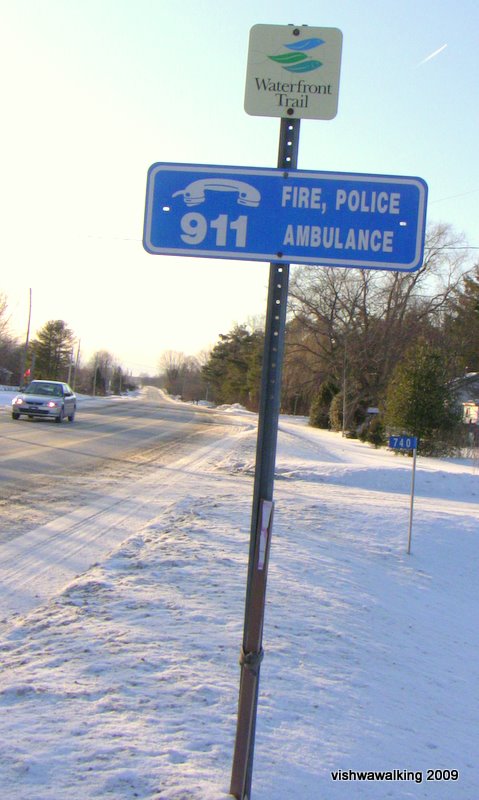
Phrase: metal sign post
[262,511]
[283,216]
[411,507]
[405,442]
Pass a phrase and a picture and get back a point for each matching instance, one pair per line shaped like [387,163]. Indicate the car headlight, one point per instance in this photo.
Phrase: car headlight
[52,404]
[17,401]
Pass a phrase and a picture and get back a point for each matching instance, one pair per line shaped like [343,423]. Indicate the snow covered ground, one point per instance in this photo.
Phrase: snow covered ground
[124,683]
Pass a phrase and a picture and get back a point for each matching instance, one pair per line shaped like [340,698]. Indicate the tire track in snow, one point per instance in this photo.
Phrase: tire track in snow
[40,563]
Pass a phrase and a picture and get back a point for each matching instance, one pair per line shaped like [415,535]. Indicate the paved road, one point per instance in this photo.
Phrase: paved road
[71,493]
[107,433]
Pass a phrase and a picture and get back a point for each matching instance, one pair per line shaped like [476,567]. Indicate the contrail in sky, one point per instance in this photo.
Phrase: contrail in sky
[433,55]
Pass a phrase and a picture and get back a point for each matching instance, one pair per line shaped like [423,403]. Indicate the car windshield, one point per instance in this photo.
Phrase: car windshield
[48,389]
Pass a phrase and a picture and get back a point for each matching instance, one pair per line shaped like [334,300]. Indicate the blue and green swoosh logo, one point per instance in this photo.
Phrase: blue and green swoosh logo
[297,60]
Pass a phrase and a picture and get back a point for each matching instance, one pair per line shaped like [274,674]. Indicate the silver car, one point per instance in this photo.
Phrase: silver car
[51,399]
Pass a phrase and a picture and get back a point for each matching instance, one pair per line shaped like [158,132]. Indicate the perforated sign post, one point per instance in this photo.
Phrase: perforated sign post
[282,216]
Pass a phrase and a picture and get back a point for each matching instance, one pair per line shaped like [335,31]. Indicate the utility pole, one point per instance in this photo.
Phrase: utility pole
[70,365]
[27,341]
[77,361]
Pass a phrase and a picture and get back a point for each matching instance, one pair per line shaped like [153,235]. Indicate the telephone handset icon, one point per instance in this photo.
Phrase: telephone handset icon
[194,193]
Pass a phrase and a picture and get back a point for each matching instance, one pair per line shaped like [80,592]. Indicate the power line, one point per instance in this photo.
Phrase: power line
[466,247]
[453,196]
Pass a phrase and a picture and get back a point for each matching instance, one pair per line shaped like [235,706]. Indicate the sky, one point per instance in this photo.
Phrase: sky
[95,91]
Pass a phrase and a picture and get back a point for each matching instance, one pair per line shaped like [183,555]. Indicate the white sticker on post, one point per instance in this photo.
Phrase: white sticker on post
[265,515]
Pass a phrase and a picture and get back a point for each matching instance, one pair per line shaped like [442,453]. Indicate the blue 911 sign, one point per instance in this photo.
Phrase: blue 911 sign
[323,218]
[403,442]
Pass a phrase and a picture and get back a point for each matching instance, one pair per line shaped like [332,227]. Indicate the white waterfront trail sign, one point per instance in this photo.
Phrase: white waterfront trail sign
[262,214]
[293,71]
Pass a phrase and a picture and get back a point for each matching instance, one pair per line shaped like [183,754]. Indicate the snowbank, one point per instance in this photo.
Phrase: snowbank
[125,684]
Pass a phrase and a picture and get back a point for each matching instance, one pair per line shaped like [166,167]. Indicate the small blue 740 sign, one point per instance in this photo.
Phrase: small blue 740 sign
[403,442]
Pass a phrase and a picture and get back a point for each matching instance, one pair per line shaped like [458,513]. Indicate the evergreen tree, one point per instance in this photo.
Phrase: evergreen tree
[320,407]
[336,412]
[375,433]
[233,370]
[52,351]
[419,401]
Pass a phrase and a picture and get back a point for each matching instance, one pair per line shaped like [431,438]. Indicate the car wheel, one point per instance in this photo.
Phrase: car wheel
[15,415]
[60,417]
[71,417]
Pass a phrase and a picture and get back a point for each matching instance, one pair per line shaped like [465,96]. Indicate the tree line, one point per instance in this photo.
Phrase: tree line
[358,342]
[368,350]
[54,354]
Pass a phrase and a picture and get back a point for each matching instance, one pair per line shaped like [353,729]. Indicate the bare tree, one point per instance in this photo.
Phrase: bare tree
[352,326]
[101,371]
[4,319]
[172,364]
[10,349]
